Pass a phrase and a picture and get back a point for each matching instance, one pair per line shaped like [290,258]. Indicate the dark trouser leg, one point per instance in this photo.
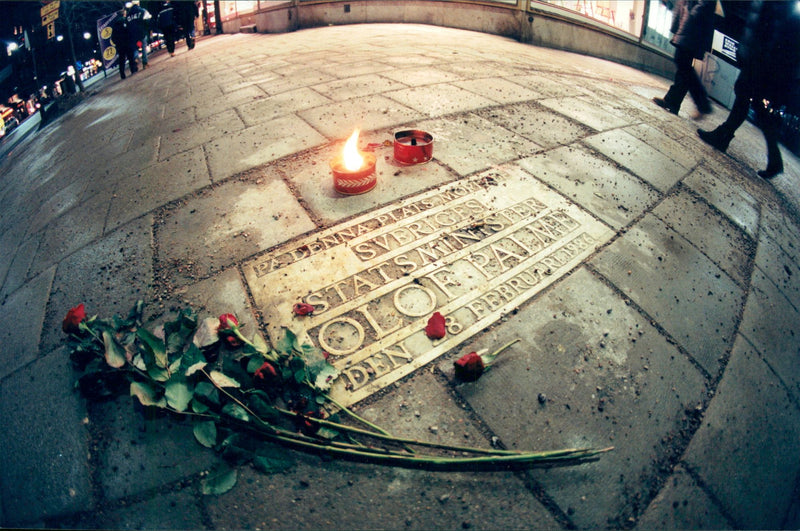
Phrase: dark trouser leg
[169,36]
[770,124]
[679,88]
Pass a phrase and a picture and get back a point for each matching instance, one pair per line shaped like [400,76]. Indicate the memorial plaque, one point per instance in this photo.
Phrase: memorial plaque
[472,250]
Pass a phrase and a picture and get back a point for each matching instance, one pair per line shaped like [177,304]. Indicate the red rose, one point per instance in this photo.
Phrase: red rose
[267,370]
[469,367]
[228,321]
[75,316]
[435,328]
[302,308]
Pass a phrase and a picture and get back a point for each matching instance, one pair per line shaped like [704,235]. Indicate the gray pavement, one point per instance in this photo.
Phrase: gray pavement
[654,284]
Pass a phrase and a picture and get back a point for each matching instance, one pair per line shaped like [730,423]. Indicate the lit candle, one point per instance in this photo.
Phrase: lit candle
[353,171]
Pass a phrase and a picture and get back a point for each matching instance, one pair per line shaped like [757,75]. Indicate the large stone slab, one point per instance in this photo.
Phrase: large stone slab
[587,112]
[535,123]
[337,120]
[684,291]
[226,224]
[715,235]
[45,443]
[644,161]
[441,99]
[589,371]
[610,193]
[272,107]
[740,452]
[473,251]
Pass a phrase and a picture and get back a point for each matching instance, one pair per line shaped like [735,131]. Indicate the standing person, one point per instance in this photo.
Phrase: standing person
[167,23]
[137,19]
[769,59]
[693,31]
[124,43]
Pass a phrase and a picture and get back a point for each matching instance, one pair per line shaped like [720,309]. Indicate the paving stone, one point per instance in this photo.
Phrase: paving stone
[20,265]
[746,447]
[136,451]
[664,140]
[472,143]
[542,126]
[693,299]
[681,504]
[44,441]
[644,161]
[586,112]
[318,493]
[588,372]
[273,107]
[779,267]
[185,138]
[230,99]
[166,510]
[783,229]
[226,224]
[68,233]
[602,188]
[498,90]
[712,233]
[770,324]
[157,185]
[370,113]
[549,86]
[258,145]
[438,100]
[736,203]
[108,276]
[25,307]
[313,180]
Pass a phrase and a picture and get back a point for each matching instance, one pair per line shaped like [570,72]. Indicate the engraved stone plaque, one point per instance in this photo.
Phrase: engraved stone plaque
[472,250]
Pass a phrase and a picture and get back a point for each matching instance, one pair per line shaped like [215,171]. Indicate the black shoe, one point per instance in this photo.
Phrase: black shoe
[771,171]
[664,105]
[715,139]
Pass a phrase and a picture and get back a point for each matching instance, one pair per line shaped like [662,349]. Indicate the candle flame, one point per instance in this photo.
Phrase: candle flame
[352,158]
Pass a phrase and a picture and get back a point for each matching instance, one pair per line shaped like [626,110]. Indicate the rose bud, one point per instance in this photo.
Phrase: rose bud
[267,370]
[228,321]
[435,328]
[469,367]
[302,308]
[228,329]
[75,316]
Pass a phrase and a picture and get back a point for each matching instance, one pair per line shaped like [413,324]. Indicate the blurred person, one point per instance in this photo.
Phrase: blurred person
[138,18]
[693,30]
[769,59]
[167,23]
[187,12]
[122,36]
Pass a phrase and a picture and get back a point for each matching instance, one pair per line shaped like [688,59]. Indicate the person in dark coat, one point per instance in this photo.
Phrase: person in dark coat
[693,31]
[137,19]
[168,25]
[122,35]
[187,12]
[769,59]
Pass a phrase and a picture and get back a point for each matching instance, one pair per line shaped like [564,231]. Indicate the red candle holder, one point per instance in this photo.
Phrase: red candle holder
[354,182]
[413,147]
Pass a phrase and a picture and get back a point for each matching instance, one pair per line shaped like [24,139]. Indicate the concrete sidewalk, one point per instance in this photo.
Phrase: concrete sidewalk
[654,284]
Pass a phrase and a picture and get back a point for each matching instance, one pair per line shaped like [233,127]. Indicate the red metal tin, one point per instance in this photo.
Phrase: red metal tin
[354,182]
[413,147]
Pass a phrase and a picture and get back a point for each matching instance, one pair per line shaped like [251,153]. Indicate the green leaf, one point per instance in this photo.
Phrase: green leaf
[206,433]
[236,411]
[196,367]
[223,380]
[178,395]
[271,465]
[219,482]
[286,343]
[115,355]
[254,363]
[154,346]
[158,374]
[300,375]
[207,393]
[325,377]
[198,406]
[146,395]
[259,344]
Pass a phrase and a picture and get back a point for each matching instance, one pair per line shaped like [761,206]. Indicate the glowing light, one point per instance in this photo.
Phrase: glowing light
[352,158]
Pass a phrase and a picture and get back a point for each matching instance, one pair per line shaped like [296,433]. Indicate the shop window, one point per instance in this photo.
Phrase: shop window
[659,20]
[625,15]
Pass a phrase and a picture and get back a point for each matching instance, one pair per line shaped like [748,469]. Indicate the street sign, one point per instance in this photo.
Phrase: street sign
[49,12]
[51,30]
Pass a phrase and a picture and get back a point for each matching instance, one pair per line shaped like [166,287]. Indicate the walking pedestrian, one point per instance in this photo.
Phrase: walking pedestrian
[769,59]
[167,24]
[138,18]
[123,42]
[693,31]
[187,12]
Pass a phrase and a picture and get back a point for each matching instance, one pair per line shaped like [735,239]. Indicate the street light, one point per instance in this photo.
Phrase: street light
[87,35]
[12,47]
[60,38]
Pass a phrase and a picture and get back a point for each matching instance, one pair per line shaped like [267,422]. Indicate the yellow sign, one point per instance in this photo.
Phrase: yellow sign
[49,18]
[49,8]
[106,33]
[109,53]
[51,30]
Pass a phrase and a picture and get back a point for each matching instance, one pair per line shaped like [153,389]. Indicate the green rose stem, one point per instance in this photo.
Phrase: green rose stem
[490,358]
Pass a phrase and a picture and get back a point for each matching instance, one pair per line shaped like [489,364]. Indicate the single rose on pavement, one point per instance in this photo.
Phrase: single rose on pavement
[302,308]
[75,316]
[470,367]
[435,328]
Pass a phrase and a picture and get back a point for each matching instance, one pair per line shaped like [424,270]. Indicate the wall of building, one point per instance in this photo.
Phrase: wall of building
[534,26]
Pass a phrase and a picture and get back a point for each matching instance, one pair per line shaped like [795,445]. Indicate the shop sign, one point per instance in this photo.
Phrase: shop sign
[474,250]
